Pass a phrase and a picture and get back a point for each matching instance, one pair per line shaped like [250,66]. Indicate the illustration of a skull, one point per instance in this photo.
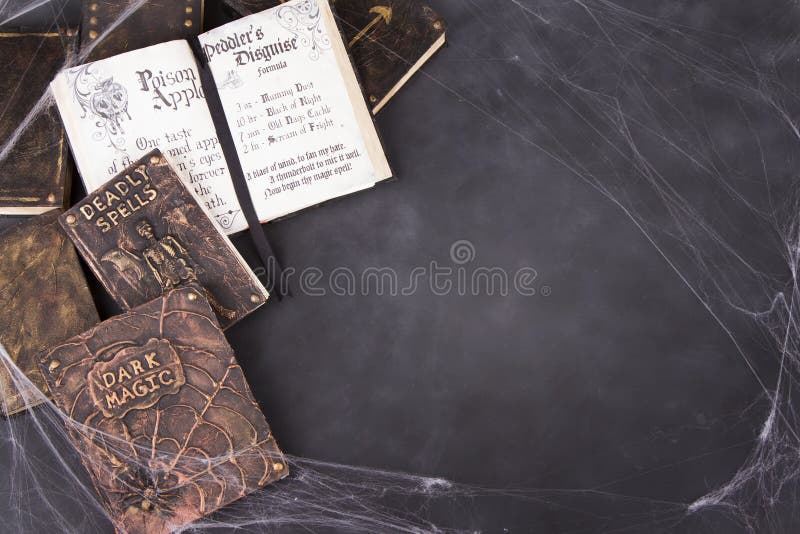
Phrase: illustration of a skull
[110,102]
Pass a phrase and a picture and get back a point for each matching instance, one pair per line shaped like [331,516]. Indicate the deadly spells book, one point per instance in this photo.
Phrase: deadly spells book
[34,170]
[302,131]
[111,27]
[143,233]
[390,40]
[162,415]
[43,301]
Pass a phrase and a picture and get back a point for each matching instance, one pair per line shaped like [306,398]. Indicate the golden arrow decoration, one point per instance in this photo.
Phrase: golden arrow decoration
[383,12]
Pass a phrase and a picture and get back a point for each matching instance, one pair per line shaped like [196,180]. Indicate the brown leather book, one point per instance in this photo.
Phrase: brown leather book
[112,27]
[389,40]
[162,415]
[143,233]
[45,300]
[34,169]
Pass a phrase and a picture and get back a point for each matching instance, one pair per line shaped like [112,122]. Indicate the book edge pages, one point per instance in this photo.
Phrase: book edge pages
[358,101]
[438,44]
[25,210]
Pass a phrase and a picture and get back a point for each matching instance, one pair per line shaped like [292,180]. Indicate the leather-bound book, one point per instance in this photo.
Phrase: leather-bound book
[389,40]
[161,414]
[112,27]
[34,169]
[43,301]
[143,233]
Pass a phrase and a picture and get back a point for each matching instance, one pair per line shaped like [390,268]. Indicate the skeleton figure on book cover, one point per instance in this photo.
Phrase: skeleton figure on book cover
[165,258]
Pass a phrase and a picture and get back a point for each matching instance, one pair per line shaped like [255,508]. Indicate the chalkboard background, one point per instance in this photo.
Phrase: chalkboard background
[637,163]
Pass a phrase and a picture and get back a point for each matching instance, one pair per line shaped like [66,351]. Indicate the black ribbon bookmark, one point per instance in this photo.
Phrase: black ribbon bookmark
[268,259]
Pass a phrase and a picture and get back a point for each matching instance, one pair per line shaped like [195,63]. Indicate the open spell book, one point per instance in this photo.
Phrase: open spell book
[290,98]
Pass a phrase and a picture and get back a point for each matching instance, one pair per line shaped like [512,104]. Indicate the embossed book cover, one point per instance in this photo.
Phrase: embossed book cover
[34,167]
[390,40]
[162,415]
[144,233]
[43,301]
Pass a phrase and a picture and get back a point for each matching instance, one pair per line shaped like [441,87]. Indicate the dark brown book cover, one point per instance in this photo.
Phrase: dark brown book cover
[44,300]
[143,233]
[112,27]
[389,39]
[162,415]
[34,172]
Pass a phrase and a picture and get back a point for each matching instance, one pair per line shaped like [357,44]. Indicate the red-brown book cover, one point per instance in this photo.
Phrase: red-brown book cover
[162,415]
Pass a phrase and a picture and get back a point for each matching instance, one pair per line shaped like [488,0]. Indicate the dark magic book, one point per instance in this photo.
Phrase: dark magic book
[45,300]
[161,414]
[144,233]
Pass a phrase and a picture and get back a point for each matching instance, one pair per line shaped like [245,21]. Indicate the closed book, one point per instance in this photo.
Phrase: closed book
[34,167]
[143,233]
[44,300]
[389,40]
[111,27]
[161,414]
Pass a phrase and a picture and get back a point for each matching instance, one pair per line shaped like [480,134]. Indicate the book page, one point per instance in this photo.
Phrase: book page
[117,109]
[293,104]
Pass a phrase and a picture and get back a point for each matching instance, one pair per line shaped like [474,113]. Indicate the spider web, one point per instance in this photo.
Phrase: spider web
[635,83]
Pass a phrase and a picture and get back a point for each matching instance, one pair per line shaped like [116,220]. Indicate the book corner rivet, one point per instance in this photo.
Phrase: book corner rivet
[54,365]
[373,98]
[255,299]
[155,160]
[92,34]
[192,297]
[277,466]
[188,9]
[51,197]
[71,219]
[93,7]
[187,23]
[437,25]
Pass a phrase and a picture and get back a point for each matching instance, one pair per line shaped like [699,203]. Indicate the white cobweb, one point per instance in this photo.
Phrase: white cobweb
[653,95]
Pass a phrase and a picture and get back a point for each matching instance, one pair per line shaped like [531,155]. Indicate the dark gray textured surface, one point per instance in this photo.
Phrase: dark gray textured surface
[548,135]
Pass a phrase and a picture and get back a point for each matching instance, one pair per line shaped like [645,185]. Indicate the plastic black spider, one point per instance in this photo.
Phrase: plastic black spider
[149,490]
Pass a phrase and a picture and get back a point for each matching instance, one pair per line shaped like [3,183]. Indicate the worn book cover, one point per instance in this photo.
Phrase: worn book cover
[34,170]
[162,415]
[389,40]
[44,300]
[144,233]
[111,27]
